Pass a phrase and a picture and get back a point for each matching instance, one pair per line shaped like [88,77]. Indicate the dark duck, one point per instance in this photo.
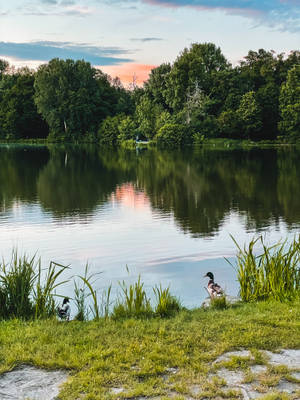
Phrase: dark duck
[213,288]
[65,310]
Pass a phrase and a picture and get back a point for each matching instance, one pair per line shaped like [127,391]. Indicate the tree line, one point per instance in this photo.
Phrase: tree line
[201,95]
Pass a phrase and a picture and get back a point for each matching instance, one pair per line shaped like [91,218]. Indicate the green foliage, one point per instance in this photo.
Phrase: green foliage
[89,281]
[127,129]
[249,113]
[173,135]
[156,85]
[43,292]
[218,303]
[22,294]
[72,97]
[230,124]
[108,132]
[18,114]
[274,274]
[17,282]
[196,64]
[289,103]
[200,89]
[146,114]
[133,303]
[167,305]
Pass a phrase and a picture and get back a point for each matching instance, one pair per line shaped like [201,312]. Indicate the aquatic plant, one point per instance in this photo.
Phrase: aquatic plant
[43,293]
[106,303]
[89,281]
[218,303]
[25,292]
[273,274]
[17,279]
[167,305]
[133,301]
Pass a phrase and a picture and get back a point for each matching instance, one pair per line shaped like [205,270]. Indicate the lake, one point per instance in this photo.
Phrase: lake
[166,215]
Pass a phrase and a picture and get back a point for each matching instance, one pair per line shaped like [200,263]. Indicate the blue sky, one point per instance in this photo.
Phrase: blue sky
[131,36]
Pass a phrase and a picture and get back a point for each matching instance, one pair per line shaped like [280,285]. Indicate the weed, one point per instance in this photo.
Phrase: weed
[43,294]
[218,303]
[167,305]
[274,274]
[133,303]
[17,280]
[87,280]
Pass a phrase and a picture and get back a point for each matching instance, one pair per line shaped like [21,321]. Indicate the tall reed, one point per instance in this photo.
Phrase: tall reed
[24,290]
[166,304]
[273,274]
[133,301]
[43,293]
[89,281]
[17,279]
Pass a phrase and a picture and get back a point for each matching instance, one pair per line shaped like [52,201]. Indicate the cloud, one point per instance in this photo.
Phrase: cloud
[68,9]
[126,72]
[146,39]
[46,50]
[279,14]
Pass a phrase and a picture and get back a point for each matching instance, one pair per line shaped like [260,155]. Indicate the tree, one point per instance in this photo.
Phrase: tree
[156,85]
[230,124]
[289,104]
[173,135]
[196,64]
[68,96]
[127,129]
[250,115]
[18,114]
[3,67]
[146,114]
[108,132]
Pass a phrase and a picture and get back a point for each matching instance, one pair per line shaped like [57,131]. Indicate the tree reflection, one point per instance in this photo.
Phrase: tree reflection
[199,187]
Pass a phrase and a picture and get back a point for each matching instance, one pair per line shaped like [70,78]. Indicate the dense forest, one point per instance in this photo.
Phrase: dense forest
[201,95]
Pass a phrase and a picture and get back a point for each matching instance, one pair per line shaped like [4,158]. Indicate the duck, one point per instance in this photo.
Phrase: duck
[65,310]
[213,288]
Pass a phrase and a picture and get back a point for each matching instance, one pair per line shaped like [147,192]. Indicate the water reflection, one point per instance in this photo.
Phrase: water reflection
[200,188]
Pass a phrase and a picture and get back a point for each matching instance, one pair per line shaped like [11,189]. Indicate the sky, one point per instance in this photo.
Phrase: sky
[128,38]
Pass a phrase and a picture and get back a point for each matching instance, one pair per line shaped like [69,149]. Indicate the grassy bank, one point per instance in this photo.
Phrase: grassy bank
[217,143]
[153,357]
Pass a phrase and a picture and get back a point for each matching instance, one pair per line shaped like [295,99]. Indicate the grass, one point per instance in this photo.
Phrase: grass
[166,304]
[133,301]
[273,274]
[24,290]
[136,354]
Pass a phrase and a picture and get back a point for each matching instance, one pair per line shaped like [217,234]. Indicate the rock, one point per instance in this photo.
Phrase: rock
[238,353]
[258,369]
[289,358]
[27,382]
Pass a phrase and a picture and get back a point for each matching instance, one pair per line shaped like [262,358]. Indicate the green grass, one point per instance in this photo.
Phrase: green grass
[273,274]
[135,354]
[26,290]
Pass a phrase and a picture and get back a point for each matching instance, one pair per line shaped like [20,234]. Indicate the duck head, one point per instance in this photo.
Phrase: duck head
[209,275]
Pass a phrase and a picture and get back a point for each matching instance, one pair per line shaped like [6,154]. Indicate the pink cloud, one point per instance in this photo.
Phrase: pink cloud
[247,12]
[127,71]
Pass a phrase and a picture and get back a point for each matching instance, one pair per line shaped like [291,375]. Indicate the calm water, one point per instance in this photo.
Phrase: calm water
[168,216]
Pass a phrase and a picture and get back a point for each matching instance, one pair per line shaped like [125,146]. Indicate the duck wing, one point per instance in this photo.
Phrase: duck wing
[217,289]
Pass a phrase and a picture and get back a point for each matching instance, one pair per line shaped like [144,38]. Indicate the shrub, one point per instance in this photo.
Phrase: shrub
[173,135]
